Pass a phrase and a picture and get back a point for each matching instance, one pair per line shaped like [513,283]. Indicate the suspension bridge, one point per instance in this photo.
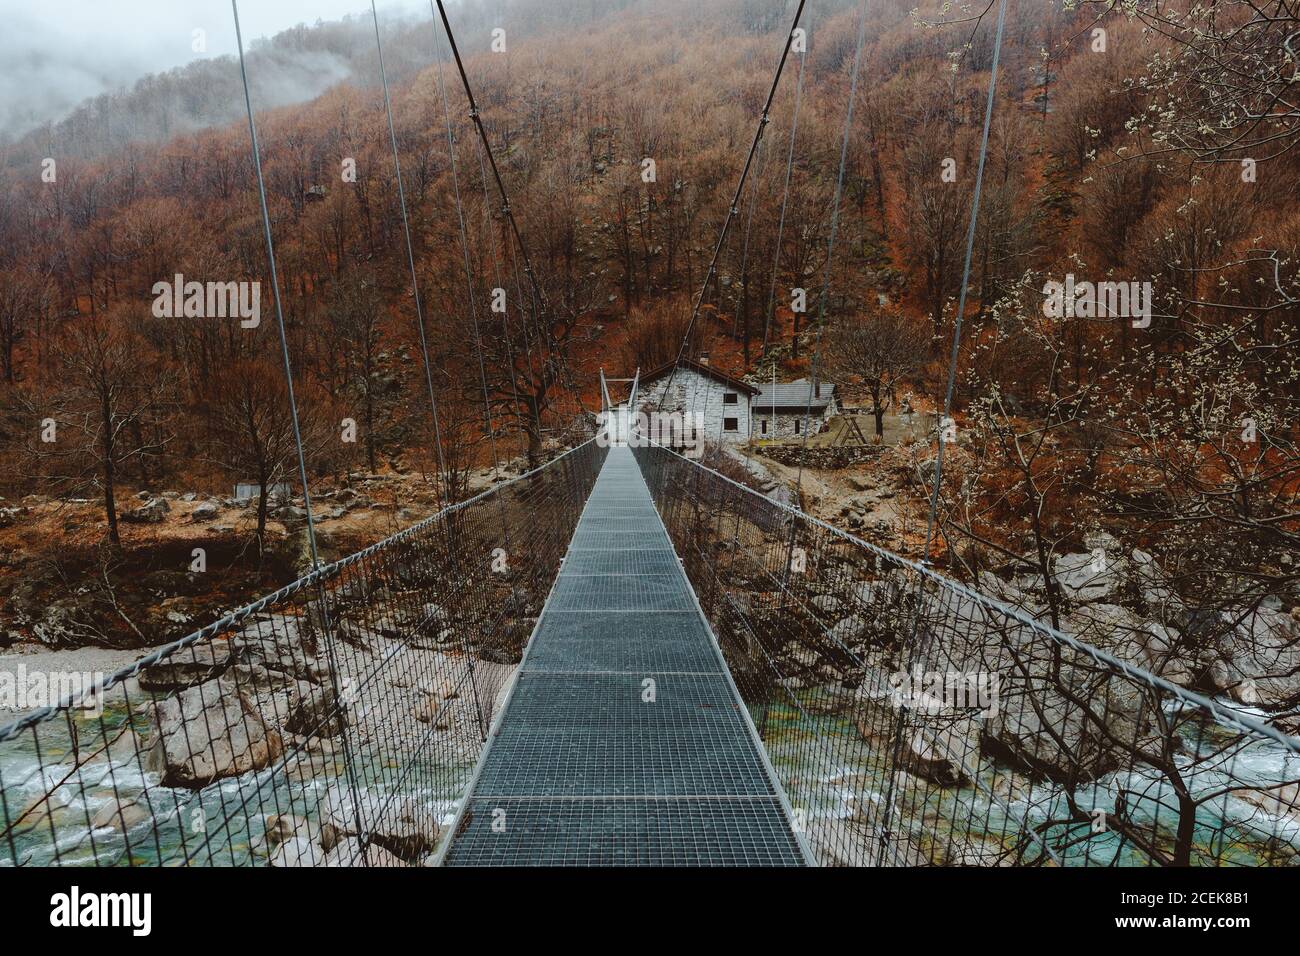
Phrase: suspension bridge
[625,657]
[623,741]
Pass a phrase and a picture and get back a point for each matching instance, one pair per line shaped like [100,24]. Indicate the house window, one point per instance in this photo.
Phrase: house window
[730,424]
[762,426]
[798,425]
[730,398]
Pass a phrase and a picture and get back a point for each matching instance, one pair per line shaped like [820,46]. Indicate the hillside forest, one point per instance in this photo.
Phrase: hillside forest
[1116,153]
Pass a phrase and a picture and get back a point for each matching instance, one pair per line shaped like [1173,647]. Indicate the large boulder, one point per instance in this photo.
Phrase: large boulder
[1257,658]
[1282,801]
[188,666]
[209,732]
[843,842]
[297,851]
[828,605]
[206,511]
[122,815]
[940,744]
[280,644]
[349,853]
[1159,598]
[1059,713]
[151,512]
[1083,578]
[1148,645]
[1072,719]
[314,711]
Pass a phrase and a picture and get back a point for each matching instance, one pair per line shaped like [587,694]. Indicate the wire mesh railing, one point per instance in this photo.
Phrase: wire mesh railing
[915,721]
[334,722]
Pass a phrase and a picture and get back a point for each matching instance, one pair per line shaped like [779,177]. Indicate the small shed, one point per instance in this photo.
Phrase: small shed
[779,409]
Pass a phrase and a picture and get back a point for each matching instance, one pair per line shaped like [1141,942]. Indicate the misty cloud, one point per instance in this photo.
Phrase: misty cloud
[58,56]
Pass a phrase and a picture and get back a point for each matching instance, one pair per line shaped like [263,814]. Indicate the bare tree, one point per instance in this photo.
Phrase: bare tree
[252,429]
[92,423]
[879,347]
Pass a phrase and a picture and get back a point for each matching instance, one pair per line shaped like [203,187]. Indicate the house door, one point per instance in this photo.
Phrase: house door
[620,423]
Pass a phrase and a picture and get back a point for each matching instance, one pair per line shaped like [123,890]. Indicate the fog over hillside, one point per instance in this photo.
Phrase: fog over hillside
[60,55]
[89,83]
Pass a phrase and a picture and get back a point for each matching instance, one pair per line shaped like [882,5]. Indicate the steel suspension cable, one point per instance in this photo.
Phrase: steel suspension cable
[297,429]
[965,280]
[823,299]
[469,274]
[733,208]
[496,262]
[275,291]
[506,209]
[785,199]
[826,287]
[410,258]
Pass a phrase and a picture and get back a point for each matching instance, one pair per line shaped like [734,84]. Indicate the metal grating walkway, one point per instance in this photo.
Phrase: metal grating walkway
[582,768]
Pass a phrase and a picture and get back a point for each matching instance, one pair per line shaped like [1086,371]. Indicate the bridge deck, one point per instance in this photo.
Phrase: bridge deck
[582,769]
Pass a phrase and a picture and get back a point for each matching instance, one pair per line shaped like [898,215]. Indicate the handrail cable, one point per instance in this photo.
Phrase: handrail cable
[785,199]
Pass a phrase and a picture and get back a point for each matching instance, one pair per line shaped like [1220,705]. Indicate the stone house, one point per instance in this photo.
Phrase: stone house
[717,403]
[724,408]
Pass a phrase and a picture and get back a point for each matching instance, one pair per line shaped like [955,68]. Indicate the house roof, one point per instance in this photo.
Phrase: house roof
[716,374]
[794,396]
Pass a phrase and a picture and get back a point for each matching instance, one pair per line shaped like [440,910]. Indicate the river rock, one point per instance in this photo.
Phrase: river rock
[284,826]
[1282,801]
[838,842]
[1075,722]
[1158,596]
[1086,577]
[1066,717]
[348,853]
[828,604]
[1144,644]
[121,815]
[297,851]
[278,644]
[425,710]
[209,732]
[314,711]
[401,824]
[205,511]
